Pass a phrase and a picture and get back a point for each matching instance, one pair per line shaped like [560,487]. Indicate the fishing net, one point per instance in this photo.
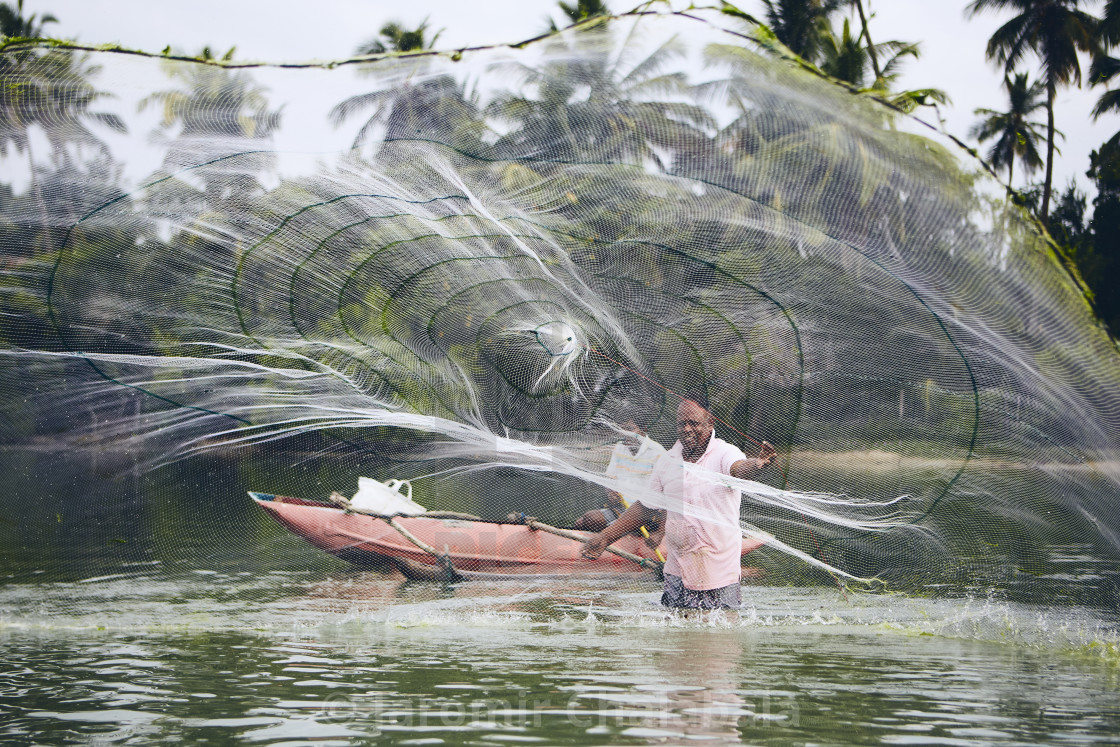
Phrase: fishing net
[470,270]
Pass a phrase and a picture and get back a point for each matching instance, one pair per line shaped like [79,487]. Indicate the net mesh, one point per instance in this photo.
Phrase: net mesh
[469,269]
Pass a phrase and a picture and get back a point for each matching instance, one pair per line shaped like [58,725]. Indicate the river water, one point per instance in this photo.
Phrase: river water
[361,657]
[134,613]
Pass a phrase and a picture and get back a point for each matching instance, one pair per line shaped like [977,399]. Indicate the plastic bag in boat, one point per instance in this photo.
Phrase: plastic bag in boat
[386,498]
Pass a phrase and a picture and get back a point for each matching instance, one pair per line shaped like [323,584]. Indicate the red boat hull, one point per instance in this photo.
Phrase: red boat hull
[475,548]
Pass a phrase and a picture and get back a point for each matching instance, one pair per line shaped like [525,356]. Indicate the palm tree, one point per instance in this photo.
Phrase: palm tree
[1109,29]
[51,90]
[844,57]
[13,25]
[584,9]
[802,25]
[214,112]
[410,104]
[1055,30]
[48,88]
[600,106]
[848,58]
[410,109]
[393,37]
[1105,67]
[580,11]
[1101,72]
[880,71]
[1016,137]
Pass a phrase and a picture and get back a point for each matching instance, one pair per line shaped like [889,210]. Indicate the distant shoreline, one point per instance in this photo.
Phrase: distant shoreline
[867,461]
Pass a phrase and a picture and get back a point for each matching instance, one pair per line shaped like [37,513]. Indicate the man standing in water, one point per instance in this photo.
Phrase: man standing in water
[702,536]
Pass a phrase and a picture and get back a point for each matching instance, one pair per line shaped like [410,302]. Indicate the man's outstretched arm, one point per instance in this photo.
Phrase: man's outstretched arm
[744,468]
[631,519]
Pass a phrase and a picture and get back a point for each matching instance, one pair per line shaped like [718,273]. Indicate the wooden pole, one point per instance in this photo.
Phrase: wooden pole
[644,562]
[443,559]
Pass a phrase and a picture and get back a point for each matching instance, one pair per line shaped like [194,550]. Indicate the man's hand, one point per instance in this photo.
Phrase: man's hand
[745,468]
[595,546]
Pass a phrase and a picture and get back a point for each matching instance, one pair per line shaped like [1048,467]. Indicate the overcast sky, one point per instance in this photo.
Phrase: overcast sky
[274,30]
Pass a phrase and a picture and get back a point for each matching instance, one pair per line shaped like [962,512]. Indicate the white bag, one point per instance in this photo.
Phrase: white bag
[385,498]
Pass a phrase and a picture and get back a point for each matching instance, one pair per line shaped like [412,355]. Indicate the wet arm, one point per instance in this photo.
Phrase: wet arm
[633,518]
[745,468]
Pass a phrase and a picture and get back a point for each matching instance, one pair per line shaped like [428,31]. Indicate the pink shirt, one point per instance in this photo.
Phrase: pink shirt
[702,535]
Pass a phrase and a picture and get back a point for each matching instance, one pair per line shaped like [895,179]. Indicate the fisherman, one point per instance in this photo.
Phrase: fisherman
[630,465]
[702,536]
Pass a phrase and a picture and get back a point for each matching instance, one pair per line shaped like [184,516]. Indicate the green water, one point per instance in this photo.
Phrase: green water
[362,658]
[165,607]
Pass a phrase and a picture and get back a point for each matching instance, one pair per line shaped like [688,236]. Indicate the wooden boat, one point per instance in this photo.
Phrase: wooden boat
[474,547]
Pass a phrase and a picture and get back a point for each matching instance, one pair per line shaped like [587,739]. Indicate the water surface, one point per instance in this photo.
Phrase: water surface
[364,658]
[163,607]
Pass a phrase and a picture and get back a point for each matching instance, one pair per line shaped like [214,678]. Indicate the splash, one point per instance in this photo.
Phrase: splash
[504,253]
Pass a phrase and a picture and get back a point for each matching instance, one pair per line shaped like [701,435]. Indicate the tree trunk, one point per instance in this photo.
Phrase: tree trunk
[870,46]
[1051,90]
[1011,171]
[45,237]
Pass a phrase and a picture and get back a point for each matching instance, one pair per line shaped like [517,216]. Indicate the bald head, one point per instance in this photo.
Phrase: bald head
[693,410]
[694,429]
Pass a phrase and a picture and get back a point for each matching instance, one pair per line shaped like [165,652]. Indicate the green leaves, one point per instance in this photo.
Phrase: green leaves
[1016,136]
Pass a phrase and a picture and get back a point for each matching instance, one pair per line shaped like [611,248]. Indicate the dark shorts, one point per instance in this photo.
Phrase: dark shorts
[676,595]
[609,514]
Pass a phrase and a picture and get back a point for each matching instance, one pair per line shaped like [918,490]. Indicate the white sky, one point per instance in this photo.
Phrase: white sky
[274,30]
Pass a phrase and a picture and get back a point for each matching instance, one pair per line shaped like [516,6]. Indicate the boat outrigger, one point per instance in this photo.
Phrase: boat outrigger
[452,546]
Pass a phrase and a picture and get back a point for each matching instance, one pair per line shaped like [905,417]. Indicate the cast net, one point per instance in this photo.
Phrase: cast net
[471,270]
